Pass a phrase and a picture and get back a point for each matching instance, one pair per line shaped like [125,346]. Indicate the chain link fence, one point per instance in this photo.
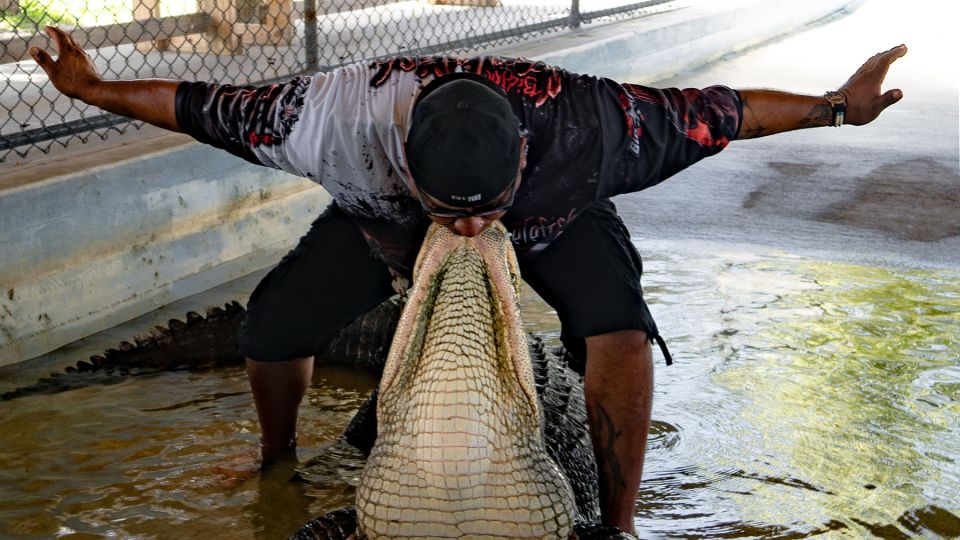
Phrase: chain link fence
[243,42]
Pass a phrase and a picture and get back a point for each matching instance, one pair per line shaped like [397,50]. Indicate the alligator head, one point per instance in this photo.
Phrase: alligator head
[459,449]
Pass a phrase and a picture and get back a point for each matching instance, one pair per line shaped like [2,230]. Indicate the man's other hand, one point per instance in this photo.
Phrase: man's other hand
[73,72]
[865,101]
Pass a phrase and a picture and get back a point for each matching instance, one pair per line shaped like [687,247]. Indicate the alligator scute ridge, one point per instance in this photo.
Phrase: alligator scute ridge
[202,342]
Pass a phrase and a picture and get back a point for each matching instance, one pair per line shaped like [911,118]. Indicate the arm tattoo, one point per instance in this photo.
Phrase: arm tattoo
[819,115]
[778,120]
[750,127]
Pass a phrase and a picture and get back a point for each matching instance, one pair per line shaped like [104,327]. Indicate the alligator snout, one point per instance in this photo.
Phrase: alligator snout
[459,449]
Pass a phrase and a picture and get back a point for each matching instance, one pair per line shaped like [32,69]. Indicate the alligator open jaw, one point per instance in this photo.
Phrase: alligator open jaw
[459,451]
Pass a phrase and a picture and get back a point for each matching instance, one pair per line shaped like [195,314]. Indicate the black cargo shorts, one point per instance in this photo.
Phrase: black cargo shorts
[590,275]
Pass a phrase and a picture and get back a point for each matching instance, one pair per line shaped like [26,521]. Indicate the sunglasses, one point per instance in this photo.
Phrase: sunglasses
[489,210]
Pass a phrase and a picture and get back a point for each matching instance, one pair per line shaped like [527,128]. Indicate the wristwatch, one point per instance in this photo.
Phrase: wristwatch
[838,103]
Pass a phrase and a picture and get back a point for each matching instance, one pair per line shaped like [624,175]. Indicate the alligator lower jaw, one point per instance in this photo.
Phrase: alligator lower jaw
[459,449]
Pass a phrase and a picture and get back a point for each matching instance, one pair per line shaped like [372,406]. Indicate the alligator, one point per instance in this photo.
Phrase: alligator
[201,343]
[560,391]
[480,431]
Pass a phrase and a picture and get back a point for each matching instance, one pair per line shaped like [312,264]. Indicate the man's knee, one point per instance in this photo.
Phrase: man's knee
[623,344]
[619,364]
[292,366]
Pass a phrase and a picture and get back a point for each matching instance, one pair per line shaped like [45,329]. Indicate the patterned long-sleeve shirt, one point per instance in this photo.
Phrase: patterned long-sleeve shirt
[588,138]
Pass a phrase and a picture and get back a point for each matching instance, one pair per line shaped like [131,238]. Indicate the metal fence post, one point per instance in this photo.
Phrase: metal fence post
[310,35]
[575,17]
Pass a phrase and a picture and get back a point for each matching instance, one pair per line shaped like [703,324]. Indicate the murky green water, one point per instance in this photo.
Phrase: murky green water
[808,398]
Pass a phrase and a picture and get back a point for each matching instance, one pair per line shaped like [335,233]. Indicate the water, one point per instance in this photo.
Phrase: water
[808,397]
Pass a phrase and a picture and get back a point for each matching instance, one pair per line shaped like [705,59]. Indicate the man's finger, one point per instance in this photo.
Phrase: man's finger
[890,97]
[72,41]
[41,57]
[894,53]
[59,37]
[878,66]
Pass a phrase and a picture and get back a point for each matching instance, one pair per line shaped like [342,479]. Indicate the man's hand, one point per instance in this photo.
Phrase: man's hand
[73,72]
[864,100]
[766,112]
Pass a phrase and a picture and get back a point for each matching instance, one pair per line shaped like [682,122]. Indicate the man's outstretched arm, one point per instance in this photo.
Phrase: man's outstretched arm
[766,112]
[73,73]
[278,387]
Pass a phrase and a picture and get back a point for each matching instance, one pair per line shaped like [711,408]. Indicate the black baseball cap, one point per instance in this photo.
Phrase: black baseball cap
[463,146]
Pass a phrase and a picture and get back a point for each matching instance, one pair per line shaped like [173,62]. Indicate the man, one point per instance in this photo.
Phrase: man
[464,142]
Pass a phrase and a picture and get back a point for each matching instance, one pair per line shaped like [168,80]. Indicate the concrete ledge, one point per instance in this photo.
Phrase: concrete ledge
[101,237]
[87,250]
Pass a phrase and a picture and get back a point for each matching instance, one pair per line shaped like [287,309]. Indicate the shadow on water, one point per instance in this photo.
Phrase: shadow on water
[808,399]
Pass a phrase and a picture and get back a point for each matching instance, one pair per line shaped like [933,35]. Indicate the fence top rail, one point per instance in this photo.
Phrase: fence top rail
[14,45]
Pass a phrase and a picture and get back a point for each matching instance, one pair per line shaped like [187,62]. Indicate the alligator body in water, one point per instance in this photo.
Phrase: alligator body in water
[560,391]
[207,342]
[547,398]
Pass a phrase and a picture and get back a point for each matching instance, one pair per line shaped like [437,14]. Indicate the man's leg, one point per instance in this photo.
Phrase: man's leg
[278,388]
[326,282]
[591,276]
[618,386]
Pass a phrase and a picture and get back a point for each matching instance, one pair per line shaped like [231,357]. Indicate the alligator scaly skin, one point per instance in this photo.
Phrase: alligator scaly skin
[560,390]
[459,449]
[561,393]
[206,342]
[454,295]
[199,343]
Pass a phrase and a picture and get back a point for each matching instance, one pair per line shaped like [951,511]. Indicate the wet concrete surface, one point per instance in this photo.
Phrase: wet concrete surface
[887,193]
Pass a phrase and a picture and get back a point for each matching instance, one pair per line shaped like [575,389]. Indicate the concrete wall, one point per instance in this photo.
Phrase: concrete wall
[89,242]
[86,250]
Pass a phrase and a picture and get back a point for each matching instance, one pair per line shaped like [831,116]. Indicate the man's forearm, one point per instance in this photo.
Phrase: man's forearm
[150,100]
[766,112]
[74,73]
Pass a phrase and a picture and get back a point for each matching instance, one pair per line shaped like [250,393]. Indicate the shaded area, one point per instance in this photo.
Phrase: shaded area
[918,200]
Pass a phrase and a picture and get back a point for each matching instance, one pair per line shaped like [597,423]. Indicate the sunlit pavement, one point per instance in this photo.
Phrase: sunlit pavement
[887,193]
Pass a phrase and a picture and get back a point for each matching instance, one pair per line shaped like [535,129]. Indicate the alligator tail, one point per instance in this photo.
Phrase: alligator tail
[209,341]
[338,525]
[201,342]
